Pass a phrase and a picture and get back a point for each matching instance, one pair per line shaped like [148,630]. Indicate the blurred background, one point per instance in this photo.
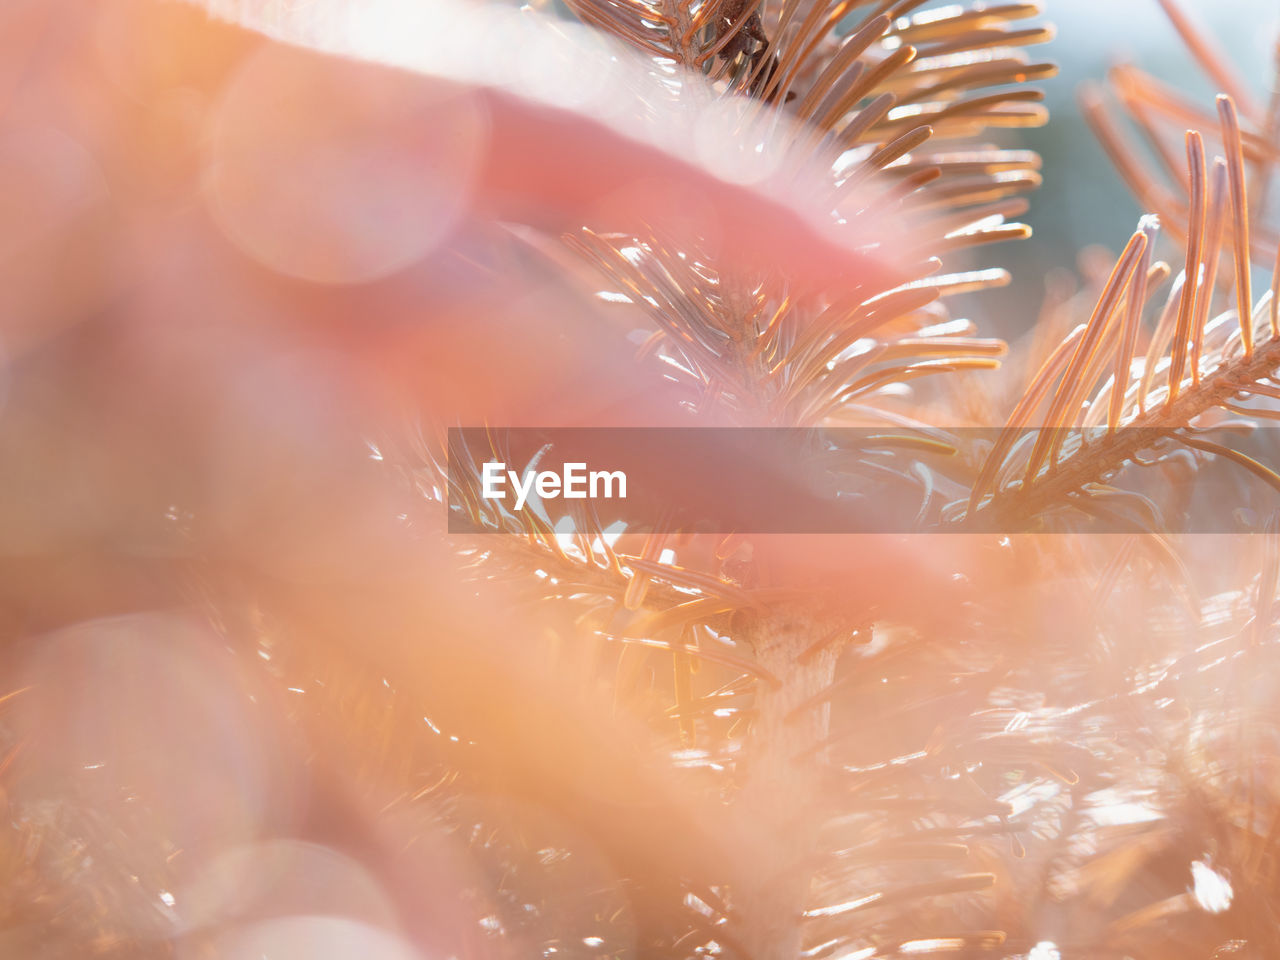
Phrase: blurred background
[1083,203]
[221,602]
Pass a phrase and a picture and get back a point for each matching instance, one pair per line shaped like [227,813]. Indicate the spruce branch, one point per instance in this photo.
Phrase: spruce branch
[1236,366]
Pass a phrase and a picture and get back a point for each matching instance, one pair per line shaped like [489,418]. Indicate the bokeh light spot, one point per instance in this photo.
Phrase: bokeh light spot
[338,172]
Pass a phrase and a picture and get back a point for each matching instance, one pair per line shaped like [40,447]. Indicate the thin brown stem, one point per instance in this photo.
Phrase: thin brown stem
[1017,508]
[776,807]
